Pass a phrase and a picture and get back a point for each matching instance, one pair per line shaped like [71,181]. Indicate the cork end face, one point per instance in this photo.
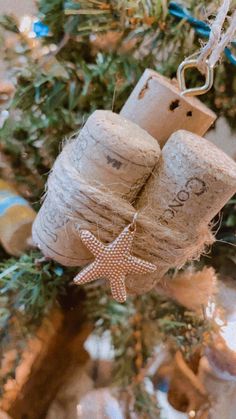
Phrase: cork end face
[203,155]
[157,105]
[134,138]
[55,247]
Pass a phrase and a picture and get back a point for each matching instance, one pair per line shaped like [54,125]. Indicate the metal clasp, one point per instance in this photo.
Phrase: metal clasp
[194,91]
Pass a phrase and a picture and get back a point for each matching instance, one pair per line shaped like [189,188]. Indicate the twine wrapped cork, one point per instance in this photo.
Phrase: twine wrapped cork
[193,181]
[99,174]
[156,104]
[105,166]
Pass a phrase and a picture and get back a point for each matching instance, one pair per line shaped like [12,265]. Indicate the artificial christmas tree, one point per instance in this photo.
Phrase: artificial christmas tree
[85,56]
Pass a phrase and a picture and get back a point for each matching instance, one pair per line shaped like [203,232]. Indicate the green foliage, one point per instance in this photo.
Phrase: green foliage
[9,23]
[28,289]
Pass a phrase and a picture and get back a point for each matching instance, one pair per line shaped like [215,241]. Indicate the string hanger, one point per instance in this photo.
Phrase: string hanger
[211,52]
[218,39]
[201,28]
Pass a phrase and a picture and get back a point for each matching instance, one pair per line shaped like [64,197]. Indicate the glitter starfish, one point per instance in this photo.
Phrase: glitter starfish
[113,261]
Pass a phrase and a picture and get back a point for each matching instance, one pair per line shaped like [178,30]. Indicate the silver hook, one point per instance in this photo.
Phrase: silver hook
[194,91]
[132,226]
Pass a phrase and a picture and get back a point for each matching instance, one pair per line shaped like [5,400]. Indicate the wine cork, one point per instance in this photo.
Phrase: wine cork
[110,153]
[193,181]
[115,152]
[16,218]
[156,104]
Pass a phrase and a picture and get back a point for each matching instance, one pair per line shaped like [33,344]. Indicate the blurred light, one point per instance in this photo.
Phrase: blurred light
[227,328]
[228,332]
[26,26]
[3,117]
[211,313]
[40,29]
[33,27]
[79,410]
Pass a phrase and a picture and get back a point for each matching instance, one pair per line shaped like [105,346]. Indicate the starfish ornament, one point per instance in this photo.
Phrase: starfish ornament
[113,261]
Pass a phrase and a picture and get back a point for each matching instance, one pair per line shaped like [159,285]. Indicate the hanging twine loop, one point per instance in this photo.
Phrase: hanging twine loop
[210,53]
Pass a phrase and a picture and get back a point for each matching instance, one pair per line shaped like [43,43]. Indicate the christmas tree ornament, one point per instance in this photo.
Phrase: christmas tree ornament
[105,165]
[157,105]
[100,404]
[16,218]
[190,184]
[113,168]
[113,262]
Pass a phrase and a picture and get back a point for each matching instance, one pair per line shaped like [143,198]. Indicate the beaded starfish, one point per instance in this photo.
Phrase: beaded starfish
[113,261]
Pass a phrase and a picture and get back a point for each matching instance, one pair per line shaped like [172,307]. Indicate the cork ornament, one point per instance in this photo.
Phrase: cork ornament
[125,208]
[187,185]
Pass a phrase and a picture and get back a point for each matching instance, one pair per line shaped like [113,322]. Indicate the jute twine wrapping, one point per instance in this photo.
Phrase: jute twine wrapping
[75,201]
[105,214]
[106,165]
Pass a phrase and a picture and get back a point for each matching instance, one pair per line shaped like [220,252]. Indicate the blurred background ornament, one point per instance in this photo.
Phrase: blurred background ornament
[16,218]
[40,29]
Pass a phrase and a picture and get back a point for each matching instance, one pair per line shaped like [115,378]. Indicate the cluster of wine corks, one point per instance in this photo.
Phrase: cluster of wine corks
[193,181]
[110,154]
[114,168]
[156,104]
[16,218]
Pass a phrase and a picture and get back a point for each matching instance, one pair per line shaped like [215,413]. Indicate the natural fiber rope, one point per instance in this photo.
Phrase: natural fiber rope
[225,40]
[217,42]
[92,206]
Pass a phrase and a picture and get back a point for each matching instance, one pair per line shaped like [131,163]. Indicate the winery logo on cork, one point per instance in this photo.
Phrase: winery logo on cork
[193,186]
[114,162]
